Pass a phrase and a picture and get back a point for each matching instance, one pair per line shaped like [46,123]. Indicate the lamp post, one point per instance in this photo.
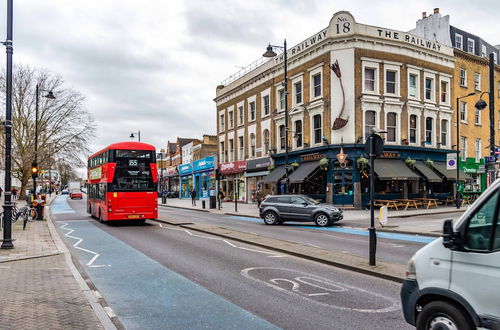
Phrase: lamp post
[457,201]
[7,206]
[51,96]
[481,104]
[138,135]
[270,53]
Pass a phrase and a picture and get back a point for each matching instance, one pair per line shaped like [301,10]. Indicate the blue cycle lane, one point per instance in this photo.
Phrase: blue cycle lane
[145,294]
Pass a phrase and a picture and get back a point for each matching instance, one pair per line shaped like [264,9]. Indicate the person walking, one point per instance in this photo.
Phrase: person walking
[259,197]
[220,197]
[193,197]
[1,191]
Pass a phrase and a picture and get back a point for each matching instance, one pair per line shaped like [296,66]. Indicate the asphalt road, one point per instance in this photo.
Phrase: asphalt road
[395,248]
[162,276]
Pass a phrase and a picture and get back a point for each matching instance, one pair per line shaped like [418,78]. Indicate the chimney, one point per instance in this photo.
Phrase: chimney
[436,10]
[424,14]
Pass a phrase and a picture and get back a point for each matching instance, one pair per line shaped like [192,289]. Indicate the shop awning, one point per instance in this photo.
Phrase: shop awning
[253,174]
[275,175]
[450,174]
[303,171]
[393,169]
[427,172]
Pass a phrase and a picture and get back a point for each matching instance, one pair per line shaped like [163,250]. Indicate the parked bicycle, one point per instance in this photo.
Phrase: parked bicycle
[24,212]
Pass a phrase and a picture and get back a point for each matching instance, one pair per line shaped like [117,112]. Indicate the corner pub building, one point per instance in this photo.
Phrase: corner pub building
[342,82]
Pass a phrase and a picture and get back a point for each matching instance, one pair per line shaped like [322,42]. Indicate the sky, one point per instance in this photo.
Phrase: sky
[153,65]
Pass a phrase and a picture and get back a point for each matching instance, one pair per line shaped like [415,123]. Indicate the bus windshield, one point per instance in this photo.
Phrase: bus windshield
[133,171]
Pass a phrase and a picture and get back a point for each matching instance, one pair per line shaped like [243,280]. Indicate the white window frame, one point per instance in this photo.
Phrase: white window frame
[222,151]
[433,131]
[376,67]
[282,139]
[312,74]
[377,124]
[432,77]
[241,147]
[231,150]
[417,129]
[448,90]
[266,146]
[484,51]
[279,100]
[478,150]
[294,91]
[417,86]
[241,113]
[495,57]
[263,95]
[463,106]
[250,100]
[445,142]
[469,43]
[464,84]
[295,145]
[222,122]
[477,81]
[477,117]
[463,148]
[313,130]
[396,70]
[230,118]
[396,127]
[252,145]
[461,42]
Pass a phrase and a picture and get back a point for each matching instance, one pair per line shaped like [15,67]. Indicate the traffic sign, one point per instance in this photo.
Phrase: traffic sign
[451,161]
[490,159]
[497,151]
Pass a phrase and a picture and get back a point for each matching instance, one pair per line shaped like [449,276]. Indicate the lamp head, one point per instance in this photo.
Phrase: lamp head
[269,52]
[480,105]
[50,95]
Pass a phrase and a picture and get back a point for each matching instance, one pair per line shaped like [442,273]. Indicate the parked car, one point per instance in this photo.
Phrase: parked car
[278,209]
[64,192]
[450,283]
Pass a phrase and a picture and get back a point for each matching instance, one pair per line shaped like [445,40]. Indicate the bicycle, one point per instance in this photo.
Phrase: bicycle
[22,212]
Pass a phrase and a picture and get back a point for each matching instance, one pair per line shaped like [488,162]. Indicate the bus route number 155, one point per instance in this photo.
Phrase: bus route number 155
[132,162]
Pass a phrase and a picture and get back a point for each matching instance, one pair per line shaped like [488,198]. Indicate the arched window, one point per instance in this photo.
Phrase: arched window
[298,133]
[413,129]
[317,128]
[266,141]
[444,132]
[391,126]
[252,145]
[282,137]
[429,127]
[369,122]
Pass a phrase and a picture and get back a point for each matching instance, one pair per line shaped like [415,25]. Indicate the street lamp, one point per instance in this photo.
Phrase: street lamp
[270,53]
[138,135]
[457,201]
[50,96]
[7,206]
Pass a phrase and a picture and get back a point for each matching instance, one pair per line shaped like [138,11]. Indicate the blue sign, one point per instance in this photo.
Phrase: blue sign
[185,169]
[206,163]
[490,159]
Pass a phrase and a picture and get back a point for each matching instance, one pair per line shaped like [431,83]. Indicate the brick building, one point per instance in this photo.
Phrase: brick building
[343,81]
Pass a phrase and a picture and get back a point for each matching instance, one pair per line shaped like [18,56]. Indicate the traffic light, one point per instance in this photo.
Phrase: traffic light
[34,170]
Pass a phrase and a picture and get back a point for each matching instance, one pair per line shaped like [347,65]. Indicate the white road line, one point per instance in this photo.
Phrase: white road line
[110,312]
[79,240]
[271,254]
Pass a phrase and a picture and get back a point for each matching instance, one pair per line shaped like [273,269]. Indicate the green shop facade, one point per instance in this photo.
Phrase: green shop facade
[401,172]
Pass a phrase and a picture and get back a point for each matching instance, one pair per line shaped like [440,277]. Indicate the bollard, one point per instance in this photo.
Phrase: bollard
[202,204]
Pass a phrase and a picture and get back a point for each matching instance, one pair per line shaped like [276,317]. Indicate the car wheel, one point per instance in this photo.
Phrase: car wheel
[270,218]
[443,315]
[321,220]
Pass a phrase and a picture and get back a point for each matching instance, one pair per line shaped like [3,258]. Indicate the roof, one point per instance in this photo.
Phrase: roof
[128,145]
[184,141]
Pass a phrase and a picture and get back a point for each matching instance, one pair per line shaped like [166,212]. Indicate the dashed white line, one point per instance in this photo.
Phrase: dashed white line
[79,240]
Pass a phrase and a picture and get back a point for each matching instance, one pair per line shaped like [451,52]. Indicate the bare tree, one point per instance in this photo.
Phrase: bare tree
[64,123]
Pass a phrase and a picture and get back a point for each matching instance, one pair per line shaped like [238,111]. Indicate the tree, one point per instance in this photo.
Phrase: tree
[64,124]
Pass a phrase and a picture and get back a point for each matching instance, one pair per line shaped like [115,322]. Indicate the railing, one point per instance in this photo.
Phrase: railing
[252,66]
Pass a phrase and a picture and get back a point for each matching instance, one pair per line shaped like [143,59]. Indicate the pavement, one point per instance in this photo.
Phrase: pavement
[44,288]
[41,286]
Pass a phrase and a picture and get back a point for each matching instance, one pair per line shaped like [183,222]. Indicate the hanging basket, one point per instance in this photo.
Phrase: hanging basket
[362,162]
[410,162]
[323,163]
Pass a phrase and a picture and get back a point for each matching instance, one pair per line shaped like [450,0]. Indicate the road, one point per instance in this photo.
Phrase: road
[162,276]
[395,248]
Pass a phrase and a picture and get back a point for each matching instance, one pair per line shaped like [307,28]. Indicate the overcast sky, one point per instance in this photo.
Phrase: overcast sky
[153,65]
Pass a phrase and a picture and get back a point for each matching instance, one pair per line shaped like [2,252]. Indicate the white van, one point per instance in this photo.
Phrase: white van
[454,282]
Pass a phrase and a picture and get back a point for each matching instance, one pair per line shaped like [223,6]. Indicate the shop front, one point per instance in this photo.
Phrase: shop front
[171,181]
[232,176]
[204,177]
[450,178]
[185,180]
[477,172]
[309,177]
[256,170]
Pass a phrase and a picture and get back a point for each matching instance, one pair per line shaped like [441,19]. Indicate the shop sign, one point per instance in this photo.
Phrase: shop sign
[308,158]
[233,167]
[206,163]
[481,169]
[258,164]
[171,171]
[387,154]
[469,170]
[185,169]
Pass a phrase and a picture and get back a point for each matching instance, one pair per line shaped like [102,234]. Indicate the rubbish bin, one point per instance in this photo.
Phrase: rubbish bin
[203,204]
[39,206]
[213,202]
[164,198]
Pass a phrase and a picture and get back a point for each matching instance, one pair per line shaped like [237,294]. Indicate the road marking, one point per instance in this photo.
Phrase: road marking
[320,284]
[160,225]
[270,253]
[109,311]
[79,240]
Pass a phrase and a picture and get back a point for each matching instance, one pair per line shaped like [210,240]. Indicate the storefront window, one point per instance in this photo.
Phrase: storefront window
[186,186]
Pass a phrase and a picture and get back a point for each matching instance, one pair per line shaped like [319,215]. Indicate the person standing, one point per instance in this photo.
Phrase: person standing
[14,193]
[220,197]
[1,190]
[259,197]
[193,197]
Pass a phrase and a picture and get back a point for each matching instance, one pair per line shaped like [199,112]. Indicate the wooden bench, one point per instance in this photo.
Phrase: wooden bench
[408,203]
[388,203]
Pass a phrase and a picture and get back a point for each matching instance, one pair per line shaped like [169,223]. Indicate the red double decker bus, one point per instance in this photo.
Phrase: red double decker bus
[122,182]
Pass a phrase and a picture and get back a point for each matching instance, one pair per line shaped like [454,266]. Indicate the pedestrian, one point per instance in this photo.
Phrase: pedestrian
[193,197]
[1,190]
[220,197]
[259,196]
[14,193]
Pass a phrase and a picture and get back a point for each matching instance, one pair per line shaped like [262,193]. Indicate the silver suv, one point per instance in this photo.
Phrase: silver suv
[278,209]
